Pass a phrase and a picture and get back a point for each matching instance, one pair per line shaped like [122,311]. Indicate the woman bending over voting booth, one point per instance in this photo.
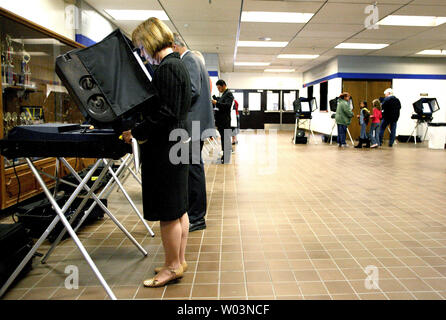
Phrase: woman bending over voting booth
[164,183]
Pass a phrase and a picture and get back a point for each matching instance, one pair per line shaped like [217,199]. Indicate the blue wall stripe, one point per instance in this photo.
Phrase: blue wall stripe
[213,73]
[86,41]
[346,75]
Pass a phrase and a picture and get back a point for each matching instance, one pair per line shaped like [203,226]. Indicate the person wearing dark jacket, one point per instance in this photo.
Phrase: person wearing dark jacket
[391,107]
[223,119]
[164,183]
[201,115]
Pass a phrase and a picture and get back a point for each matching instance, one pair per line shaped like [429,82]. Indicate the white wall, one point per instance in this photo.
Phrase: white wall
[408,91]
[322,121]
[47,13]
[393,65]
[93,25]
[321,71]
[242,80]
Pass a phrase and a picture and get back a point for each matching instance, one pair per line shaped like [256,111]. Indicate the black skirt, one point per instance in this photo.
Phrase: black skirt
[164,184]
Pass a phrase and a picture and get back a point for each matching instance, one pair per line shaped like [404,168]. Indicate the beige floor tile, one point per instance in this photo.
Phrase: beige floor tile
[282,234]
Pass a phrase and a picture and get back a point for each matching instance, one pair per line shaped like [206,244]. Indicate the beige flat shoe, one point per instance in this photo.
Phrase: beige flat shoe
[184,265]
[155,283]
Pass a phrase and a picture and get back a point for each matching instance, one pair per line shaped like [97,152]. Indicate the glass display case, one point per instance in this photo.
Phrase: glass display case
[31,91]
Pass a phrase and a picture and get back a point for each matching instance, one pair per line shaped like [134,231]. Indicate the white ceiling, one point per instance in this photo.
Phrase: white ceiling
[211,26]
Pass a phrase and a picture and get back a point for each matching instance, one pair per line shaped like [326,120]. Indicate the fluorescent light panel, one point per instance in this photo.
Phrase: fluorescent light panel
[279,70]
[298,56]
[364,46]
[433,52]
[274,44]
[280,17]
[252,64]
[412,21]
[136,15]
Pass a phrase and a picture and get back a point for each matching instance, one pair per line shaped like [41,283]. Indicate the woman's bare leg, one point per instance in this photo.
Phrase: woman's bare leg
[171,233]
[184,220]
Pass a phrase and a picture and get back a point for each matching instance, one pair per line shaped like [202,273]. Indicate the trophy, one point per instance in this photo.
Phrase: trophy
[3,61]
[25,69]
[9,62]
[7,122]
[14,119]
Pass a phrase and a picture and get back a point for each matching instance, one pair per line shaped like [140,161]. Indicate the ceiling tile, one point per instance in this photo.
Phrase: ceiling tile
[276,31]
[300,42]
[390,32]
[312,30]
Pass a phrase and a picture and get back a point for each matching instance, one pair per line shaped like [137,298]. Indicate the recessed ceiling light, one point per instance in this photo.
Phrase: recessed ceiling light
[279,70]
[364,46]
[433,52]
[298,56]
[136,15]
[281,17]
[252,64]
[265,39]
[275,44]
[412,21]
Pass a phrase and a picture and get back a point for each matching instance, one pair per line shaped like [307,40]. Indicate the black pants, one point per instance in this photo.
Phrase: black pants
[197,186]
[226,142]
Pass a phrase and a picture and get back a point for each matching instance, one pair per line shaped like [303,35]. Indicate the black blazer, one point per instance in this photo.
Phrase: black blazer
[223,114]
[391,108]
[169,109]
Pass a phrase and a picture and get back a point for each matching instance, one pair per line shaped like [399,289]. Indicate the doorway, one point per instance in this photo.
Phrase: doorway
[364,90]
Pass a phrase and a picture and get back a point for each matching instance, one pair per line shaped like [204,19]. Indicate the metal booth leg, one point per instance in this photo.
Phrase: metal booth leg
[103,207]
[78,210]
[60,216]
[295,130]
[331,134]
[129,199]
[312,133]
[348,131]
[414,133]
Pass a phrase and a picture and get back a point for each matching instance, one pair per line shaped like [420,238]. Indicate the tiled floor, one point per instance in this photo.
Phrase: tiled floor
[285,222]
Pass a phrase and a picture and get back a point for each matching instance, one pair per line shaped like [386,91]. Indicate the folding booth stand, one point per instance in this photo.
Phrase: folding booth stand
[304,108]
[61,217]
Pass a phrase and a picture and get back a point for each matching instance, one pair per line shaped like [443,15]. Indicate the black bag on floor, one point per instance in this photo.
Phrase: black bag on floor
[15,244]
[37,216]
[301,140]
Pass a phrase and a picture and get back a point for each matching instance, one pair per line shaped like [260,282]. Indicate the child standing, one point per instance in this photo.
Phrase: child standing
[376,122]
[364,116]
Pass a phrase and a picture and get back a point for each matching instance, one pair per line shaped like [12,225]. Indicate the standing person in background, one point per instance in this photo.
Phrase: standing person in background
[364,117]
[343,117]
[223,119]
[164,184]
[201,114]
[376,121]
[391,107]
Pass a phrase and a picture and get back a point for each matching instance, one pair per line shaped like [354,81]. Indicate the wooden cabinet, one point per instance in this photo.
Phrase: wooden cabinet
[31,93]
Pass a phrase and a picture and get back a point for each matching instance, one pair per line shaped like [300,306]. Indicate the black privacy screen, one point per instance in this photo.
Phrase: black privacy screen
[107,80]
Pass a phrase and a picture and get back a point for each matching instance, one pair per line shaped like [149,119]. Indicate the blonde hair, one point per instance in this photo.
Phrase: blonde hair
[377,104]
[154,35]
[199,55]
